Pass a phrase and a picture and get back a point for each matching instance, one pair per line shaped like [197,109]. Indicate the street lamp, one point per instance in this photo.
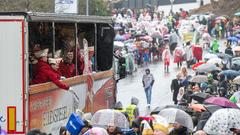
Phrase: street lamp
[171,6]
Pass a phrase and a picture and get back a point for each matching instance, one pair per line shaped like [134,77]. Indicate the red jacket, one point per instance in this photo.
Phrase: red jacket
[46,74]
[67,70]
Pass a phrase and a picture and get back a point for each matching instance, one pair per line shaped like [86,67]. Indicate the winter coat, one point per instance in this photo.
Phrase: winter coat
[46,74]
[166,57]
[175,85]
[67,70]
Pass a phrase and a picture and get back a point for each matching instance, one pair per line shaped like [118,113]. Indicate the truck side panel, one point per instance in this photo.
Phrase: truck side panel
[12,106]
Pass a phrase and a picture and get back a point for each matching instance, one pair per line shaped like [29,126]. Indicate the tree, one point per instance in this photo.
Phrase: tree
[96,7]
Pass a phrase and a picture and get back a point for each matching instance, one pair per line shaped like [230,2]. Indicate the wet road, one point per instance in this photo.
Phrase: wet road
[161,93]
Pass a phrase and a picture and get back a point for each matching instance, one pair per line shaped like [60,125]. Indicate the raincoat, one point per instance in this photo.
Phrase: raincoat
[166,57]
[178,55]
[215,46]
[197,52]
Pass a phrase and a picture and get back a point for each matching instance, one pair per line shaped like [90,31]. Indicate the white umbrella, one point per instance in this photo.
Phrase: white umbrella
[118,44]
[108,116]
[215,61]
[222,120]
[209,56]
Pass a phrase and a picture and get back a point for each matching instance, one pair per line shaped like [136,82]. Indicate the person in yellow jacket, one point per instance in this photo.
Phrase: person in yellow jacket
[132,110]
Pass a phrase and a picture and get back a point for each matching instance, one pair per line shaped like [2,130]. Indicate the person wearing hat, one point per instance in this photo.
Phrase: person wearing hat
[175,85]
[148,81]
[132,110]
[48,72]
[67,67]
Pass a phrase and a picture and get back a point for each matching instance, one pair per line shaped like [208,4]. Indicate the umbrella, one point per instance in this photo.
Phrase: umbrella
[215,61]
[117,27]
[230,73]
[237,14]
[224,55]
[234,39]
[139,34]
[96,131]
[200,96]
[221,18]
[199,79]
[208,67]
[118,44]
[238,36]
[156,35]
[197,107]
[236,80]
[210,56]
[236,49]
[159,108]
[222,120]
[221,101]
[236,59]
[108,116]
[148,38]
[174,115]
[212,108]
[119,38]
[161,123]
[197,64]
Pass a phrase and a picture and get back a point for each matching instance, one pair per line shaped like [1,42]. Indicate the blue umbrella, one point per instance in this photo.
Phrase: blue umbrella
[237,14]
[238,36]
[119,38]
[233,39]
[230,73]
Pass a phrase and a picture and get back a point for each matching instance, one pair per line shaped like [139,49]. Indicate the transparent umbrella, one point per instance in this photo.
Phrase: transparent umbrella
[199,79]
[107,117]
[222,120]
[174,115]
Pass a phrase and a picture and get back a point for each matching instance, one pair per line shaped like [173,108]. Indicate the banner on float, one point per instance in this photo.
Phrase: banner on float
[66,6]
[50,110]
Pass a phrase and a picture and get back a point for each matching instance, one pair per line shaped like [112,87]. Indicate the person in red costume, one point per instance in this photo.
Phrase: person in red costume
[46,72]
[67,67]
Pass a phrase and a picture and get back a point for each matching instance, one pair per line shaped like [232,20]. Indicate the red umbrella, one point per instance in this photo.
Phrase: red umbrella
[221,101]
[197,64]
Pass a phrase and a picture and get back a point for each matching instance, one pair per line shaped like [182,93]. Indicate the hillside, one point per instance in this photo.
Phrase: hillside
[221,7]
